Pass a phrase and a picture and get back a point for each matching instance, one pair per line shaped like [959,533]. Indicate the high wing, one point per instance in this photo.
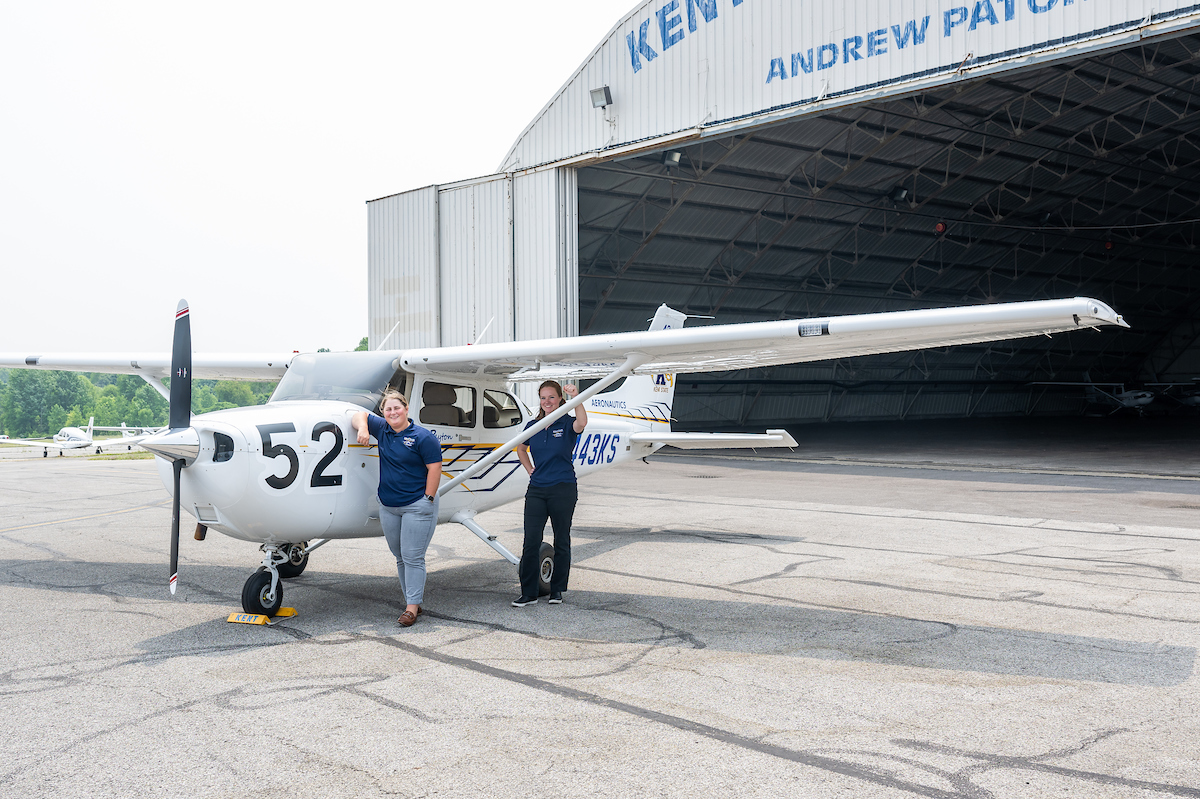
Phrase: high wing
[211,366]
[712,348]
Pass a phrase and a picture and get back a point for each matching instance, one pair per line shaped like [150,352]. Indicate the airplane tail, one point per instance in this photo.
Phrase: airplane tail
[91,420]
[643,398]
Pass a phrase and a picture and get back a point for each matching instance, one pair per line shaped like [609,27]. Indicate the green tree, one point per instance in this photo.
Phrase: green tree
[235,392]
[57,419]
[362,345]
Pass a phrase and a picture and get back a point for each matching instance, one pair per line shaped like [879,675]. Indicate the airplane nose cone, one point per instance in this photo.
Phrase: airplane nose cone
[182,444]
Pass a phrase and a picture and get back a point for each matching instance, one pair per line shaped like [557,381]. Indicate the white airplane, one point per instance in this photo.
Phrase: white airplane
[74,438]
[1114,394]
[290,475]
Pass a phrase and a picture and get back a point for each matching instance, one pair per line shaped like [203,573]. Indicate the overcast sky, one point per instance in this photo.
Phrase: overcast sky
[224,152]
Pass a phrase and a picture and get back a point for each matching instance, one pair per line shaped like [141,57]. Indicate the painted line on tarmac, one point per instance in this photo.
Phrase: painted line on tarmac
[84,518]
[932,467]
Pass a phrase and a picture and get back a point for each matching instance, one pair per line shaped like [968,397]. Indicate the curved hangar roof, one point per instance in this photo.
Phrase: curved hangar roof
[856,156]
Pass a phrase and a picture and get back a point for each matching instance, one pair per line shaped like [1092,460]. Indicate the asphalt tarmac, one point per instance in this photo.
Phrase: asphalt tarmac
[884,623]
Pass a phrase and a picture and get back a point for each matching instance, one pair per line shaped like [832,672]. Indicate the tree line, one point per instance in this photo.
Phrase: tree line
[37,403]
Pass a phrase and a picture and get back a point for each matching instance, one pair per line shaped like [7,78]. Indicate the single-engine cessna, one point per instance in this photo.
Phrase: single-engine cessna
[74,438]
[290,475]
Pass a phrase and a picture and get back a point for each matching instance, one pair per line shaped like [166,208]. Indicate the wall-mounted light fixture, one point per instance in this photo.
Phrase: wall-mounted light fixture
[601,98]
[671,159]
[898,194]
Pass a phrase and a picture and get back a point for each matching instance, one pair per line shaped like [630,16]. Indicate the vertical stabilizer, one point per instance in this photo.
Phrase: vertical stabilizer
[644,398]
[91,420]
[667,319]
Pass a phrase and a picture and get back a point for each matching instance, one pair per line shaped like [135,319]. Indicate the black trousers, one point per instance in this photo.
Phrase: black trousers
[556,503]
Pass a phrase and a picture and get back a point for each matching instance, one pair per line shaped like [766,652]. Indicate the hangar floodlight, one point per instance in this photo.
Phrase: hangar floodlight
[671,159]
[898,194]
[601,98]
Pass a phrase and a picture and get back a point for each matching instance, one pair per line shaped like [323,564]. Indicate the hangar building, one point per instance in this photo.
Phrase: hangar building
[763,159]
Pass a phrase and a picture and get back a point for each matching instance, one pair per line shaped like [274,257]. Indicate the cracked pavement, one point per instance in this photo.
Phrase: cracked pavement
[732,625]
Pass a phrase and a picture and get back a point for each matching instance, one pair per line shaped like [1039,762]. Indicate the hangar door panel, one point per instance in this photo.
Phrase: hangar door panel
[476,260]
[402,270]
[545,249]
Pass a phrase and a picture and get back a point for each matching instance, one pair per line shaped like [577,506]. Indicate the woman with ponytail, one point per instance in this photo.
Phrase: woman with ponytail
[552,491]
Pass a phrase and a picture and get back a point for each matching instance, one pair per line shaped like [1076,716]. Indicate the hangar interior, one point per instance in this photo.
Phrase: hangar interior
[1078,178]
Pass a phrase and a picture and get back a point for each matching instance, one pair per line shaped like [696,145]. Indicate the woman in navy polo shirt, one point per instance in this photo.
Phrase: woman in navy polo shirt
[410,467]
[552,492]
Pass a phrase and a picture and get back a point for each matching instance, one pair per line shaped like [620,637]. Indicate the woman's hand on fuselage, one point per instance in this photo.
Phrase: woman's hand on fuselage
[570,390]
[359,422]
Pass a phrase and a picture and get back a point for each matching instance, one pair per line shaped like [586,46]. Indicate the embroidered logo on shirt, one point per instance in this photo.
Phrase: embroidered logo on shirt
[557,433]
[409,441]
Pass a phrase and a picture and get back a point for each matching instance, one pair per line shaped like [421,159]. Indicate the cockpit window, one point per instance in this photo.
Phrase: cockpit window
[357,377]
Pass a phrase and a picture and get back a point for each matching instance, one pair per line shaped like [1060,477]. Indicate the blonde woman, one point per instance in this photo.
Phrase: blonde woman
[410,466]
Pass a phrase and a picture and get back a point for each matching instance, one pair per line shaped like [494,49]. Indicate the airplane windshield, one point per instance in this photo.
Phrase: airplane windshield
[357,377]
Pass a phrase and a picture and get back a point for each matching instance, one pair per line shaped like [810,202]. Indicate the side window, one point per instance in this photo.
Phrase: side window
[446,405]
[500,409]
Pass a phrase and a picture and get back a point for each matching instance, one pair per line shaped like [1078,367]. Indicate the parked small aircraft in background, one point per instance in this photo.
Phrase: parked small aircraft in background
[290,475]
[1114,395]
[74,438]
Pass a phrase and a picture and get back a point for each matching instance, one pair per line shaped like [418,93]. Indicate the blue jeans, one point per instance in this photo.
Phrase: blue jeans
[556,502]
[408,531]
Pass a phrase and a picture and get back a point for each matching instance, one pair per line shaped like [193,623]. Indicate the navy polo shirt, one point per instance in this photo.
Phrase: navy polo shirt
[553,452]
[402,460]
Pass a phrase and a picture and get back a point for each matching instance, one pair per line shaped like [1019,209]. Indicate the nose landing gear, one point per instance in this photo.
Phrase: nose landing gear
[263,592]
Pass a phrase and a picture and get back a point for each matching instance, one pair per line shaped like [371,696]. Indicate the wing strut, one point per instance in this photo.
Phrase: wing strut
[632,361]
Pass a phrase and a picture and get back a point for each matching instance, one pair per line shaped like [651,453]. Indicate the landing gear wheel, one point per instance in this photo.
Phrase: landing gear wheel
[545,568]
[254,594]
[297,561]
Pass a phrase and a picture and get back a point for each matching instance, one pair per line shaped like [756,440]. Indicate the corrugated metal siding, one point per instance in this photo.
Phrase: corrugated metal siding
[476,254]
[545,254]
[721,74]
[402,269]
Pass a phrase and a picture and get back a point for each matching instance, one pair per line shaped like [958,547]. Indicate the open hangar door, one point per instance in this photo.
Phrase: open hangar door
[1074,178]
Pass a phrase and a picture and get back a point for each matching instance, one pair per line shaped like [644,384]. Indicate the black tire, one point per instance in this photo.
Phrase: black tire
[255,591]
[297,562]
[545,568]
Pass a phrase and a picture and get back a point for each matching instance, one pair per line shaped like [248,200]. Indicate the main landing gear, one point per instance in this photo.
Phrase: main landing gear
[263,592]
[545,554]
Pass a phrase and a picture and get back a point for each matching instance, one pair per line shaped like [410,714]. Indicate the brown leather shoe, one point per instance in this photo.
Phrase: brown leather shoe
[408,618]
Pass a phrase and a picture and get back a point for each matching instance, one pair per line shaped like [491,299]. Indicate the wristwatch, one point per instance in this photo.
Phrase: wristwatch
[429,497]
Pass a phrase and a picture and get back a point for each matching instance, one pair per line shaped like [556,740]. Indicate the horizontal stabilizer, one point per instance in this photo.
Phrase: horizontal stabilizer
[772,438]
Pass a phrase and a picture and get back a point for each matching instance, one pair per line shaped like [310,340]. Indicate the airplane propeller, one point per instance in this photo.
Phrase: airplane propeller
[181,443]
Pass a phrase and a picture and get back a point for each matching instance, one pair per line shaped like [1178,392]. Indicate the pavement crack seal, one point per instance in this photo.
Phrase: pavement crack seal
[842,767]
[986,762]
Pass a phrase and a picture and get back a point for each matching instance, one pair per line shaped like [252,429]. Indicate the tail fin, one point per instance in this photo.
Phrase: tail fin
[91,420]
[644,398]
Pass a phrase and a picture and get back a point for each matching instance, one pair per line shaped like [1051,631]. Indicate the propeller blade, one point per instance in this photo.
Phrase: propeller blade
[180,417]
[181,369]
[177,467]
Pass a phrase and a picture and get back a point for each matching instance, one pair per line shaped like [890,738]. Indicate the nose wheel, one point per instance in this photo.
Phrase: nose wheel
[262,594]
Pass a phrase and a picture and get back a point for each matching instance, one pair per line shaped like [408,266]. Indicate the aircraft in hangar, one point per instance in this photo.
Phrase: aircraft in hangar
[75,438]
[290,475]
